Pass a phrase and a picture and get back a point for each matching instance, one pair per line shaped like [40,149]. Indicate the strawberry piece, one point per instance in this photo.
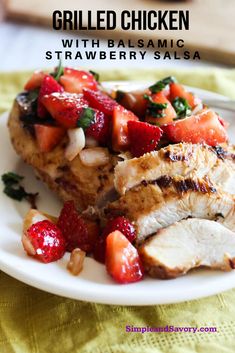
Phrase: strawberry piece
[204,127]
[123,225]
[120,136]
[77,231]
[160,116]
[100,249]
[120,223]
[99,129]
[143,137]
[48,136]
[100,101]
[133,101]
[49,85]
[122,259]
[177,90]
[74,80]
[65,108]
[47,241]
[34,81]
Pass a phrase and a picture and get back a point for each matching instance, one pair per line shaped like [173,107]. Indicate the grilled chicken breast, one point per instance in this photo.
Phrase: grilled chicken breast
[187,244]
[162,202]
[184,159]
[70,180]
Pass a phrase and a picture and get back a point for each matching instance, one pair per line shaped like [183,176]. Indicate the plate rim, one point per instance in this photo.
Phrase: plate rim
[103,297]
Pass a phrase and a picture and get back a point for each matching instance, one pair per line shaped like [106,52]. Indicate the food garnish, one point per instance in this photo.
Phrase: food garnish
[81,132]
[14,190]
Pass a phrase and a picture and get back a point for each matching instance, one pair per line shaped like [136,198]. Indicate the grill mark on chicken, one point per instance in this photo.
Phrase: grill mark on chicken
[182,185]
[177,157]
[223,153]
[168,200]
[183,159]
[66,184]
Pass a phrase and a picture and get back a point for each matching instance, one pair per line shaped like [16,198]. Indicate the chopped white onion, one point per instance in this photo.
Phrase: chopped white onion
[31,217]
[27,245]
[76,143]
[91,142]
[94,157]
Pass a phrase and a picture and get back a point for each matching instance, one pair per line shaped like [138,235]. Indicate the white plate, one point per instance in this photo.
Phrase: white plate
[93,284]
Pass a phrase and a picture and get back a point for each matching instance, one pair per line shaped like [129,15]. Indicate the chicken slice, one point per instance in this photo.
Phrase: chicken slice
[154,205]
[187,244]
[184,159]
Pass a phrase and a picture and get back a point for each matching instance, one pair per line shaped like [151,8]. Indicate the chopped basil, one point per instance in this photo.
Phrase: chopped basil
[16,193]
[160,85]
[11,178]
[87,117]
[155,109]
[59,71]
[14,190]
[96,76]
[181,107]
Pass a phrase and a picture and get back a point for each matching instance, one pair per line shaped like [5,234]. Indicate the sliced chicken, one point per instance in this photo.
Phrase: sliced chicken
[182,159]
[154,205]
[187,244]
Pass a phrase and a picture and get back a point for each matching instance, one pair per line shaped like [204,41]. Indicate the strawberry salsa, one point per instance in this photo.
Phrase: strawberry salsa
[71,104]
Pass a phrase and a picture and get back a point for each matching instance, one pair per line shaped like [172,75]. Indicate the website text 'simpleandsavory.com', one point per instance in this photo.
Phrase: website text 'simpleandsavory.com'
[170,328]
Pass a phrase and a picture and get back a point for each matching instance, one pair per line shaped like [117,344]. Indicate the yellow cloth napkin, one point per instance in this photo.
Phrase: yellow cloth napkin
[32,321]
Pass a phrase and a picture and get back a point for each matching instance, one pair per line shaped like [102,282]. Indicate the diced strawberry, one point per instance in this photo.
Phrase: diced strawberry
[100,101]
[46,241]
[65,107]
[143,137]
[74,80]
[77,231]
[202,128]
[177,90]
[122,259]
[99,129]
[49,85]
[120,137]
[134,101]
[162,115]
[48,136]
[100,249]
[123,225]
[34,81]
[120,223]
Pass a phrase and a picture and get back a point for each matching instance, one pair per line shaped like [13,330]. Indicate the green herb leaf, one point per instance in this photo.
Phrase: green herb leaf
[155,109]
[59,71]
[15,193]
[181,107]
[14,190]
[87,117]
[96,76]
[160,85]
[11,178]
